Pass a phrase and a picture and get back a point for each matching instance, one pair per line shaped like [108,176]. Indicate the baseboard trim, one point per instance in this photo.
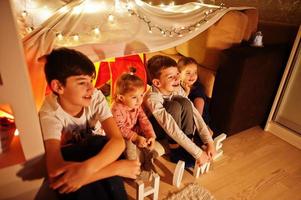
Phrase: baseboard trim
[284,133]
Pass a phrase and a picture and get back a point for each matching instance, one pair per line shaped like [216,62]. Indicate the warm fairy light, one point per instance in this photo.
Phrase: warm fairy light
[111,18]
[16,133]
[24,13]
[176,30]
[29,29]
[76,37]
[59,36]
[91,6]
[96,31]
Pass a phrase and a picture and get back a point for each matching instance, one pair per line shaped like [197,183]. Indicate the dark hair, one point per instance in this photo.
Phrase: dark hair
[128,82]
[63,62]
[182,62]
[158,63]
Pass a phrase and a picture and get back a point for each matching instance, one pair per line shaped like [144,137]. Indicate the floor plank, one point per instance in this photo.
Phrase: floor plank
[255,165]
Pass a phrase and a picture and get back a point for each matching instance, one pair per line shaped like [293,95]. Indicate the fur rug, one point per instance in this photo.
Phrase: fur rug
[192,191]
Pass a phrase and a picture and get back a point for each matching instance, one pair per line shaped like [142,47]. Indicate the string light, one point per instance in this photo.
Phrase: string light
[29,29]
[176,31]
[111,18]
[164,31]
[96,31]
[59,36]
[75,37]
[24,13]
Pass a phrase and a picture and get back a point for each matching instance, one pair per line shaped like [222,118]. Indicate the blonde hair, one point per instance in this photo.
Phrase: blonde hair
[128,82]
[184,61]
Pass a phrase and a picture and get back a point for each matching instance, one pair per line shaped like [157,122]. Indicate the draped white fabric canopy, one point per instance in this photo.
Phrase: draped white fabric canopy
[107,28]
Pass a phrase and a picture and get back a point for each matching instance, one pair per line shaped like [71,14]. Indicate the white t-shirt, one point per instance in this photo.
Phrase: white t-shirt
[58,124]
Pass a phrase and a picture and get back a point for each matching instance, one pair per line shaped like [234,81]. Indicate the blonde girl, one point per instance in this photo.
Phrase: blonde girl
[131,119]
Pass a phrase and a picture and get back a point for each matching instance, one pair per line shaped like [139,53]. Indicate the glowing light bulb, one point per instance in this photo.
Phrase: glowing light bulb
[16,133]
[172,3]
[59,36]
[111,18]
[76,37]
[29,29]
[24,13]
[96,31]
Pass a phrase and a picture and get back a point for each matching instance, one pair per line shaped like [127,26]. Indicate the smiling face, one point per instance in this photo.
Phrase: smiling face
[133,99]
[169,80]
[75,94]
[189,74]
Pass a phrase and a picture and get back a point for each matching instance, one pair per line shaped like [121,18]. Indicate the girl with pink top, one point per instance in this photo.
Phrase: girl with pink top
[131,119]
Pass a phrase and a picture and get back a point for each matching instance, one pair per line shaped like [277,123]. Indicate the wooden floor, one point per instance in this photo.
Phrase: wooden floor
[256,165]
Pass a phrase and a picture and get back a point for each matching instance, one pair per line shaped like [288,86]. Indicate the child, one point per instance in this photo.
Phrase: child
[174,114]
[81,163]
[193,88]
[131,119]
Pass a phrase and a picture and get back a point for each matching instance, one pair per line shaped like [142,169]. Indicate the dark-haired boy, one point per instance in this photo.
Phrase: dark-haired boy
[82,140]
[174,114]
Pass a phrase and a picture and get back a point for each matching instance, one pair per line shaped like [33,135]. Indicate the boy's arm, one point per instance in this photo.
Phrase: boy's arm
[202,128]
[154,103]
[124,168]
[145,124]
[73,175]
[204,133]
[54,158]
[112,149]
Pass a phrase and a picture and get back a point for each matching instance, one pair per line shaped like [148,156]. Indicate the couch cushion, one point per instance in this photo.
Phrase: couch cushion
[170,51]
[227,31]
[252,15]
[205,47]
[207,78]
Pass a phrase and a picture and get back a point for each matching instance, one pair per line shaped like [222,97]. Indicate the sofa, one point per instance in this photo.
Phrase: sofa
[233,28]
[241,80]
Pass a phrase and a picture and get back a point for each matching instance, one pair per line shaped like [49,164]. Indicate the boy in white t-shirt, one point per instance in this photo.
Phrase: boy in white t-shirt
[82,140]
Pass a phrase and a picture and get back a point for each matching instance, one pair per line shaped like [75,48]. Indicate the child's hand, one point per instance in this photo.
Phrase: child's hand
[202,159]
[210,150]
[141,141]
[70,177]
[185,87]
[128,168]
[150,143]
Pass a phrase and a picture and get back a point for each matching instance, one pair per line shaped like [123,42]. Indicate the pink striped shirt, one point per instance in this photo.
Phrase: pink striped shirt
[132,121]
